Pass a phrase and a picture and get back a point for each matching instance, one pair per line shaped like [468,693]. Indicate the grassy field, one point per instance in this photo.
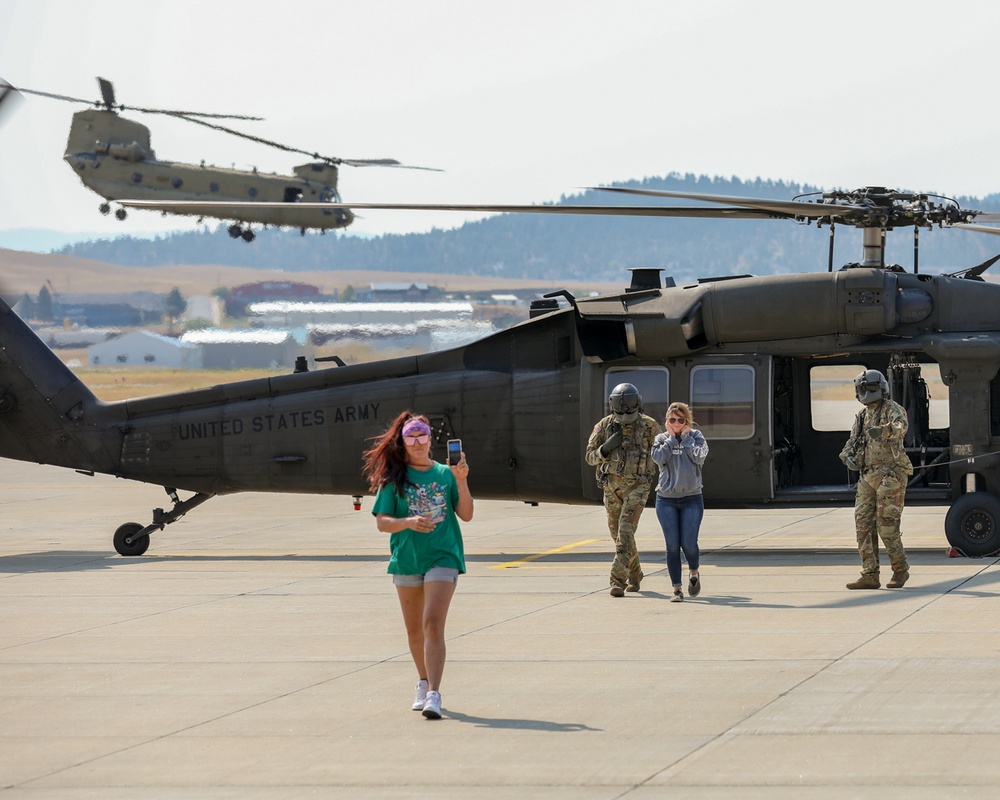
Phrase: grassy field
[121,383]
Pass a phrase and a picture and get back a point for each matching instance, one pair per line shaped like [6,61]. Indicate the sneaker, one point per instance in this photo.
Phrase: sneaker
[678,596]
[421,698]
[432,706]
[694,585]
[617,591]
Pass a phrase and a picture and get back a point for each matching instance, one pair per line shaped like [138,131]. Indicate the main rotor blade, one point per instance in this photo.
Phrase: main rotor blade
[189,115]
[793,208]
[56,96]
[978,228]
[983,216]
[372,162]
[617,211]
[113,107]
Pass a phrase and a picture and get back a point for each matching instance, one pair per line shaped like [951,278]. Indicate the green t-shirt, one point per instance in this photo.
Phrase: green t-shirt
[433,491]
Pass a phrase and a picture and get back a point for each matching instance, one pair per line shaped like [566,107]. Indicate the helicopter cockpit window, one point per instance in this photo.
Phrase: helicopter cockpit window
[653,384]
[722,401]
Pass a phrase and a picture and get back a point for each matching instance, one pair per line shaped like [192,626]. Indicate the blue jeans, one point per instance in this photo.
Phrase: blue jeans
[680,519]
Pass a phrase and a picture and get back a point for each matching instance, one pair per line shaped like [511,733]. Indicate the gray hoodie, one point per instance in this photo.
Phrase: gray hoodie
[680,463]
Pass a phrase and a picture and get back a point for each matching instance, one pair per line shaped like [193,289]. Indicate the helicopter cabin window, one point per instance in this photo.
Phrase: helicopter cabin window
[122,359]
[653,384]
[177,183]
[831,396]
[722,401]
[918,387]
[136,177]
[213,187]
[252,191]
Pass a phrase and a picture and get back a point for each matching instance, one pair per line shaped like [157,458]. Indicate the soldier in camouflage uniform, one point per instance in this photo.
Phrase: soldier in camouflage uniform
[875,451]
[620,448]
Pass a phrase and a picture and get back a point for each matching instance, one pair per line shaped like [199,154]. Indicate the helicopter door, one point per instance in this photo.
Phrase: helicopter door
[729,401]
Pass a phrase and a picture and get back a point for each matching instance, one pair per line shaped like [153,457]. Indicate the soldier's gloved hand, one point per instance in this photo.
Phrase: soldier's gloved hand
[614,441]
[851,464]
[875,432]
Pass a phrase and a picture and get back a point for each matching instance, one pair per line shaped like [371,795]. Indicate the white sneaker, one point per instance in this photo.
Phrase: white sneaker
[421,698]
[432,706]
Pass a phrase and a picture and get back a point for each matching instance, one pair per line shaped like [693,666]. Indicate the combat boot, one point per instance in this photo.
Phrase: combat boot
[868,580]
[898,579]
[617,591]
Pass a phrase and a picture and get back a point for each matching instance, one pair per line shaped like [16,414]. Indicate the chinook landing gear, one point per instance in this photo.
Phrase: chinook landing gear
[105,209]
[237,231]
[132,538]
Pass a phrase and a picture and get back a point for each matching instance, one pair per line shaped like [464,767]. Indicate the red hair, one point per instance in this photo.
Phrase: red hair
[385,461]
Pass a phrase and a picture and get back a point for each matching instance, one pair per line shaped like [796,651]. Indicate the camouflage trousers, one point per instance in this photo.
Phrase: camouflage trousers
[878,507]
[624,502]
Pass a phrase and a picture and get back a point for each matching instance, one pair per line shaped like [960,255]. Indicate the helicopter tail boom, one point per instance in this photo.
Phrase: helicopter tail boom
[47,414]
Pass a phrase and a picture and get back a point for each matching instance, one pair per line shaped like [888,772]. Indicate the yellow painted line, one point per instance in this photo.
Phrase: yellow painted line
[563,549]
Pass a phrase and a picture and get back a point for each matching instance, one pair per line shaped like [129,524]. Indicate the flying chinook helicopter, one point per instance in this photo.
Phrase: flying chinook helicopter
[113,156]
[752,355]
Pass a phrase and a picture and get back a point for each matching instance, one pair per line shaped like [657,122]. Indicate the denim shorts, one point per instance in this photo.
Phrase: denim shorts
[445,574]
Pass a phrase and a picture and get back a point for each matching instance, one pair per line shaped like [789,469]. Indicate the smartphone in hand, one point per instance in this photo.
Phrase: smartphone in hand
[454,451]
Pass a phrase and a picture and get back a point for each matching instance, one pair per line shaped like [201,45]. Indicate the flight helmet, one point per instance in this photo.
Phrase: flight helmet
[625,402]
[870,387]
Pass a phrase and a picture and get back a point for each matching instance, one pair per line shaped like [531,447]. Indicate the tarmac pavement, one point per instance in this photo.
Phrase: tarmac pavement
[257,650]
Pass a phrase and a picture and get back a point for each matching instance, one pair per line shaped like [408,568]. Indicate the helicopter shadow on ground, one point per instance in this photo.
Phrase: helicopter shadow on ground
[499,723]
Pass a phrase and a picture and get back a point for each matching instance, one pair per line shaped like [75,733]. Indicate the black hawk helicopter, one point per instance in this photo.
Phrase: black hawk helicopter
[113,157]
[748,353]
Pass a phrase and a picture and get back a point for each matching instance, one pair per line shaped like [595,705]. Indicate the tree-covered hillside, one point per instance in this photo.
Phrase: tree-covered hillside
[570,247]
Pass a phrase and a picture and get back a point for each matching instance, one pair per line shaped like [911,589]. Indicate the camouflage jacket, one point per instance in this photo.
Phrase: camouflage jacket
[633,460]
[886,450]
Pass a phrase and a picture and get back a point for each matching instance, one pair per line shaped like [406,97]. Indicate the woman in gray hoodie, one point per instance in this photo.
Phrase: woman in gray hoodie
[680,453]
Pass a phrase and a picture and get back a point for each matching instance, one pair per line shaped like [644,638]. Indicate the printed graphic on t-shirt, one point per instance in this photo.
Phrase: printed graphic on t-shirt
[428,500]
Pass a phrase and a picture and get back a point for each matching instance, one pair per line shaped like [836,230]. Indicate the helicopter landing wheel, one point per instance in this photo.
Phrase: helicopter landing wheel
[120,213]
[126,541]
[235,231]
[248,235]
[972,524]
[104,208]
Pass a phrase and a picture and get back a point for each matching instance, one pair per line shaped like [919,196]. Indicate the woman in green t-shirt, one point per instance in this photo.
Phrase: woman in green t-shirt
[417,501]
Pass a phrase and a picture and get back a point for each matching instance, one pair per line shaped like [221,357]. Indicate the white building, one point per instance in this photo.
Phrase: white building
[292,314]
[145,349]
[257,348]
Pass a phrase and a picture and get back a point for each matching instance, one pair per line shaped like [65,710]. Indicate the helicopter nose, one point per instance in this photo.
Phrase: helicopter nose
[345,215]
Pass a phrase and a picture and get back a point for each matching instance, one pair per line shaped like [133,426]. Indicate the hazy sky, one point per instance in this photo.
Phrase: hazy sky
[517,101]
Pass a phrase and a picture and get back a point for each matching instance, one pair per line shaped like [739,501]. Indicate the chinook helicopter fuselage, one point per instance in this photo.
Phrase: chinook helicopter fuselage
[113,157]
[746,352]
